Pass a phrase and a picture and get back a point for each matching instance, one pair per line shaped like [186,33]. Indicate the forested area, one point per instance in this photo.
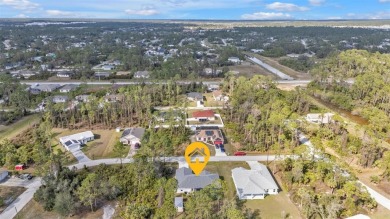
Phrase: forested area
[127,106]
[324,191]
[258,113]
[302,63]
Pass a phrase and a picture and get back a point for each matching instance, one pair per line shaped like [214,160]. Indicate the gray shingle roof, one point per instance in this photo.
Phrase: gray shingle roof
[136,132]
[186,179]
[195,95]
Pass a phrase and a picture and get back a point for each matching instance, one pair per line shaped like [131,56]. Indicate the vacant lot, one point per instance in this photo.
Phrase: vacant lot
[33,210]
[101,147]
[9,194]
[210,102]
[10,131]
[250,70]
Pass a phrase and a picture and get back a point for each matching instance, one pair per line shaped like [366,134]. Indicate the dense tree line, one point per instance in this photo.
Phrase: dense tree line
[302,63]
[257,113]
[324,191]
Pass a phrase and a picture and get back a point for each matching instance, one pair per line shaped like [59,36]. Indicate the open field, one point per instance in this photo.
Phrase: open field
[33,210]
[9,194]
[101,147]
[21,125]
[282,68]
[251,70]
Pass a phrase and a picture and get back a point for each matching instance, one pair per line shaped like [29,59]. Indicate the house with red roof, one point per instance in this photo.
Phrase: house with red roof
[203,115]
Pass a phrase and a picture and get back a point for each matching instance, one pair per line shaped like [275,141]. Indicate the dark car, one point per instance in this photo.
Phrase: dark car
[25,176]
[222,148]
[217,146]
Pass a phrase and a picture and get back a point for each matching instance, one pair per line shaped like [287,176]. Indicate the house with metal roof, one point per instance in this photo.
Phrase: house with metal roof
[73,142]
[255,183]
[188,182]
[132,136]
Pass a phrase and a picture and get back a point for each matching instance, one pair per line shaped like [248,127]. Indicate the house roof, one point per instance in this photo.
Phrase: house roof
[214,133]
[69,87]
[136,132]
[203,113]
[195,95]
[77,137]
[141,74]
[186,179]
[45,87]
[254,181]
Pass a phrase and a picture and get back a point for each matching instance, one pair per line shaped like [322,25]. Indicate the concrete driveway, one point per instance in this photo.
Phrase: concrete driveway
[80,156]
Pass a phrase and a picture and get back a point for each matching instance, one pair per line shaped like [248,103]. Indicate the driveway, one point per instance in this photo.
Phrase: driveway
[80,156]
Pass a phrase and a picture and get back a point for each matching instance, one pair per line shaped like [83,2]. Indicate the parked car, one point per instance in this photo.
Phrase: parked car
[25,176]
[217,146]
[222,148]
[239,153]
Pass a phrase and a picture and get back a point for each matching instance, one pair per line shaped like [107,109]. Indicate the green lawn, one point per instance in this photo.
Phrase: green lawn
[10,131]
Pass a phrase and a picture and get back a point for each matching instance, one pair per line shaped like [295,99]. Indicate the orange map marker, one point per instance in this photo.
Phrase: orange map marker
[197,155]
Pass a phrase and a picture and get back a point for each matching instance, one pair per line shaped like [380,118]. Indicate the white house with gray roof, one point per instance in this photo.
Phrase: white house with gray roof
[45,87]
[132,136]
[255,183]
[59,99]
[68,88]
[73,142]
[188,182]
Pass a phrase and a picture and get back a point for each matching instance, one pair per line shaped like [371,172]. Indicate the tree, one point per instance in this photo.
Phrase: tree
[89,191]
[119,150]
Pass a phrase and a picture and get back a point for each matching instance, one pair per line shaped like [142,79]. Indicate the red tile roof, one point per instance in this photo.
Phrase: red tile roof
[204,113]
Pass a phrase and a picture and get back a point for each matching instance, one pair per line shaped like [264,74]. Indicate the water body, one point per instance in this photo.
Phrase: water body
[345,113]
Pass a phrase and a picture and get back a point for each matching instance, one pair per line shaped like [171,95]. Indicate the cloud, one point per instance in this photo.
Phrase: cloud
[279,6]
[143,12]
[374,16]
[266,16]
[58,13]
[24,5]
[21,16]
[316,2]
[384,1]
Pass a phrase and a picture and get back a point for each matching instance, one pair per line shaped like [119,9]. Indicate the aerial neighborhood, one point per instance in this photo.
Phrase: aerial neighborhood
[96,117]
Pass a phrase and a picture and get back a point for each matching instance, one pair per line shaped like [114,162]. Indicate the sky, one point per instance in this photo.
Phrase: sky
[198,9]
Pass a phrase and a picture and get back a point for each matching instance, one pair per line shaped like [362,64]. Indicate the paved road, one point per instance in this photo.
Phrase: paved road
[22,200]
[271,69]
[380,199]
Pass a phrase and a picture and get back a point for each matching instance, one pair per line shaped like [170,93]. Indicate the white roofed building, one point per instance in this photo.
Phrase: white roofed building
[73,142]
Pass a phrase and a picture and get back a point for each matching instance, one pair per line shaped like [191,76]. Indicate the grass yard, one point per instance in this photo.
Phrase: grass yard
[10,131]
[9,194]
[210,102]
[101,147]
[33,210]
[274,206]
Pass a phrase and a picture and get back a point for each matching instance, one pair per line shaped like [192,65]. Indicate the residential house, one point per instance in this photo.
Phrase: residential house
[189,182]
[73,142]
[255,183]
[59,99]
[83,98]
[132,136]
[179,204]
[203,115]
[114,98]
[212,87]
[64,74]
[108,67]
[23,73]
[218,96]
[195,96]
[319,118]
[209,135]
[141,74]
[37,88]
[234,60]
[68,88]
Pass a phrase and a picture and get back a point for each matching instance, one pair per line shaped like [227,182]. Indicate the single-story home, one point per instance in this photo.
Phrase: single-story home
[203,115]
[189,182]
[195,96]
[44,88]
[64,74]
[218,96]
[108,67]
[132,136]
[234,60]
[254,183]
[319,118]
[141,74]
[179,204]
[68,88]
[209,134]
[73,142]
[102,74]
[59,99]
[84,98]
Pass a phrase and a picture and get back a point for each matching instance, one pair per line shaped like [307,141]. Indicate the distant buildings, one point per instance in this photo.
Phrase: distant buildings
[64,74]
[234,60]
[141,74]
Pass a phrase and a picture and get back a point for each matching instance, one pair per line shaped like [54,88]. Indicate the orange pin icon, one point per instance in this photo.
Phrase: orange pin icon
[197,155]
